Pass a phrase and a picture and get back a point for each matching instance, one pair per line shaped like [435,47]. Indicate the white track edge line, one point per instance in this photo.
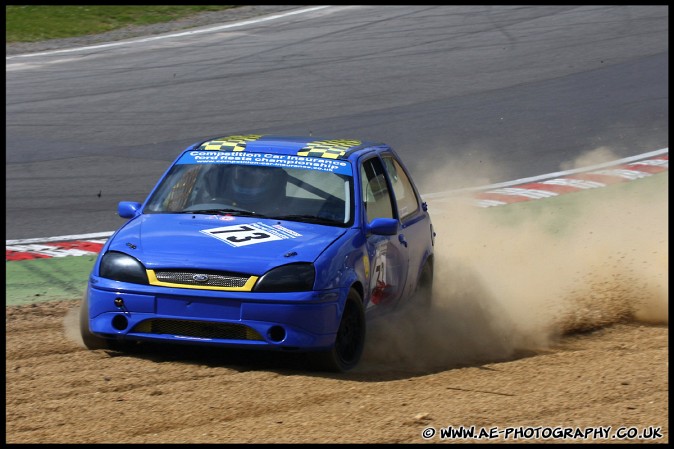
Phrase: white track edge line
[167,36]
[549,175]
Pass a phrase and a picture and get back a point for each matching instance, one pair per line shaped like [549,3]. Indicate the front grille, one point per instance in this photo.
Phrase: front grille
[214,279]
[198,329]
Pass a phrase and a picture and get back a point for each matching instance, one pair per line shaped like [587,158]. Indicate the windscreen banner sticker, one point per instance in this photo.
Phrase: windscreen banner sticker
[251,233]
[266,159]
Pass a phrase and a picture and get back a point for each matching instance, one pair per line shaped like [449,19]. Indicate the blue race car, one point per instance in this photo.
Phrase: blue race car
[266,242]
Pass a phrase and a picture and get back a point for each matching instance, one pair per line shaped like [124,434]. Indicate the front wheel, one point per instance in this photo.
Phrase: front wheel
[350,341]
[90,340]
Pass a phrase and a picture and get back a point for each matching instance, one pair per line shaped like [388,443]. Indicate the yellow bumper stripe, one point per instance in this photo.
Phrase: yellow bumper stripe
[248,286]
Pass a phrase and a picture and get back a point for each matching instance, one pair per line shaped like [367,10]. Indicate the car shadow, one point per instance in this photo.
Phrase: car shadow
[465,326]
[283,363]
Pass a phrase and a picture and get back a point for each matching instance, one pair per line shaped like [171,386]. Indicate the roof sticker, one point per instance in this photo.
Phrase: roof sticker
[331,149]
[230,143]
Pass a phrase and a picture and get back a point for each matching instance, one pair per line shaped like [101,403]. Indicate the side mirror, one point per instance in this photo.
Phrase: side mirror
[383,226]
[128,209]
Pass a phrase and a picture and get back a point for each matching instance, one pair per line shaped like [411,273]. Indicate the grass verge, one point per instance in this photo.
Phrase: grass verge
[38,23]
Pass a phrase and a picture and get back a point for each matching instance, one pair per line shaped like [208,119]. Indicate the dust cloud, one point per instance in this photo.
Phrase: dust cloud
[599,155]
[506,288]
[71,326]
[511,284]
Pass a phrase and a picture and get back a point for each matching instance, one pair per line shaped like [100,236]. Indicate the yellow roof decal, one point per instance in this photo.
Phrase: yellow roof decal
[331,149]
[230,143]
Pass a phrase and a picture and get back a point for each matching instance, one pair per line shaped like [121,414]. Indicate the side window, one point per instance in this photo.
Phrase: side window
[405,198]
[376,196]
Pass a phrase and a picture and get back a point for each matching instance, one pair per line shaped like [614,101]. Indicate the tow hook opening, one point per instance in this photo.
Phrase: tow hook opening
[120,322]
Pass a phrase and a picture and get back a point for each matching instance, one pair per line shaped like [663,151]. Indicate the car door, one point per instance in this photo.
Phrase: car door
[387,254]
[415,223]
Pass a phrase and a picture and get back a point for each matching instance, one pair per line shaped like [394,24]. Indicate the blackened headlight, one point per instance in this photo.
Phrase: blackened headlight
[122,267]
[296,277]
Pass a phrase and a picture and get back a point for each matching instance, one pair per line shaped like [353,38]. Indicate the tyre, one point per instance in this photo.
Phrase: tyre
[92,341]
[350,341]
[423,295]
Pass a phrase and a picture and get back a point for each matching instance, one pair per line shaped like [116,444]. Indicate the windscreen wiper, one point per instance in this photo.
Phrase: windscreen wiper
[243,213]
[308,219]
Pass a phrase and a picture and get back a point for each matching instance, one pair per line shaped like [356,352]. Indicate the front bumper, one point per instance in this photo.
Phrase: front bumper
[290,321]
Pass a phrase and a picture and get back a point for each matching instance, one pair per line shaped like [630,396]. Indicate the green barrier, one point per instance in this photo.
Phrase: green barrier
[65,278]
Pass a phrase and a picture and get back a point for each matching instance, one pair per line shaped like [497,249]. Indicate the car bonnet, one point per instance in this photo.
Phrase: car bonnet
[227,243]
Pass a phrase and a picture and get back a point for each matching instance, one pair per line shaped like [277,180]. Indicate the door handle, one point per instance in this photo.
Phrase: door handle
[401,239]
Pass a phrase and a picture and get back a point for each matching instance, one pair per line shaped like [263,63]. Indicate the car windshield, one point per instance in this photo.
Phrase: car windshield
[277,191]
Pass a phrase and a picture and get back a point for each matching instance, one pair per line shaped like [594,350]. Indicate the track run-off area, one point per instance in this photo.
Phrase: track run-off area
[495,360]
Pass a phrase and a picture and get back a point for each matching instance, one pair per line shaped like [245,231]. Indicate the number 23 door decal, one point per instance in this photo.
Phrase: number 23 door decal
[378,286]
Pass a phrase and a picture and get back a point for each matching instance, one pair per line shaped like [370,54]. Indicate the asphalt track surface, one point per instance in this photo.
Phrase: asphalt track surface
[497,92]
[551,319]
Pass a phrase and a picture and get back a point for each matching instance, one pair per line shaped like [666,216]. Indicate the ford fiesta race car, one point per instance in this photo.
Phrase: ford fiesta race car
[265,242]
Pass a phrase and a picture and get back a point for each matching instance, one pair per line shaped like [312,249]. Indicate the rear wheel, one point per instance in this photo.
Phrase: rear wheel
[350,341]
[423,295]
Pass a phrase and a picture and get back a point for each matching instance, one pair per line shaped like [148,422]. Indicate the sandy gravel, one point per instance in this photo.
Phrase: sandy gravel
[58,392]
[527,333]
[515,340]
